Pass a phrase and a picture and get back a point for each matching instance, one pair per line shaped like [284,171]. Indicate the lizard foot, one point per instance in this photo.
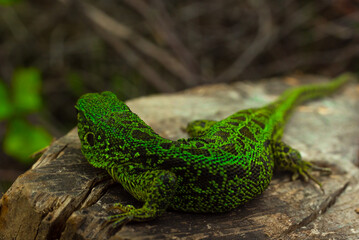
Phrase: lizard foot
[304,169]
[123,208]
[130,213]
[289,159]
[120,219]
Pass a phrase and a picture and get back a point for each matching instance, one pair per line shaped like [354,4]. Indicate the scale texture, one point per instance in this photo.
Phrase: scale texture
[221,166]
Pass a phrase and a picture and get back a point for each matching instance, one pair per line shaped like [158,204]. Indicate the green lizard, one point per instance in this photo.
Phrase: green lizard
[221,166]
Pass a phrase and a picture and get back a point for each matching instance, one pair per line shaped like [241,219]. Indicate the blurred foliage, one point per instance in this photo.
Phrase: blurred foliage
[26,90]
[8,2]
[75,83]
[5,110]
[22,138]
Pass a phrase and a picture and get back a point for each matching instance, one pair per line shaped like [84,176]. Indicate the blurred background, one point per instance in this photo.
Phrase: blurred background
[52,52]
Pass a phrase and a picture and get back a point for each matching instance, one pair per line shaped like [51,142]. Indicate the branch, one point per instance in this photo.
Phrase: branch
[296,60]
[138,63]
[264,36]
[159,19]
[120,32]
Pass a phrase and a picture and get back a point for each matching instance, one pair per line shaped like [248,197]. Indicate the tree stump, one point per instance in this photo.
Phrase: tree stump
[64,197]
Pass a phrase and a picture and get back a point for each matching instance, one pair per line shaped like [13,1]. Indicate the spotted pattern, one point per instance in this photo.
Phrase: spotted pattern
[221,166]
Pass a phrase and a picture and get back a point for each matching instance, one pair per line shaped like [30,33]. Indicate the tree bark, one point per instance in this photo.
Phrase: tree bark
[64,197]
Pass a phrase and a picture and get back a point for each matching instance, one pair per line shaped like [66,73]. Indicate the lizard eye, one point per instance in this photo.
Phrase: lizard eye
[90,138]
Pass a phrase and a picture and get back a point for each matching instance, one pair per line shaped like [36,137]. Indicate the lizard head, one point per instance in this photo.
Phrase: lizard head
[93,110]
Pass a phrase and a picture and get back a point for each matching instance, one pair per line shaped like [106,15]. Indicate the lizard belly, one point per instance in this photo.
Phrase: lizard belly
[220,188]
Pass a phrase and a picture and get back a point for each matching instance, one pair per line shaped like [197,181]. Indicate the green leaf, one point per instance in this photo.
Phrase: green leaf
[6,108]
[8,2]
[26,90]
[75,83]
[23,139]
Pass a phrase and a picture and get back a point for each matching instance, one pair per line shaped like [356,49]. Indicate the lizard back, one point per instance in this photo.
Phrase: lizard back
[231,163]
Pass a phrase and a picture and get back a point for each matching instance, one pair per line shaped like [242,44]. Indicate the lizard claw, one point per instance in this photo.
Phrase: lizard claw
[124,217]
[304,170]
[130,213]
[321,169]
[295,176]
[120,219]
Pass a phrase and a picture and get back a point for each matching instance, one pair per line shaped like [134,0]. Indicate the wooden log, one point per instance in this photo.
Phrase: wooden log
[64,197]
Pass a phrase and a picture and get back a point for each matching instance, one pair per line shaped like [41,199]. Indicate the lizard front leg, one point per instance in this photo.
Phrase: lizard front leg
[154,187]
[289,159]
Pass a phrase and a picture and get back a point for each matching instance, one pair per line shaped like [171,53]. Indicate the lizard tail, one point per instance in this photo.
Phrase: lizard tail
[291,98]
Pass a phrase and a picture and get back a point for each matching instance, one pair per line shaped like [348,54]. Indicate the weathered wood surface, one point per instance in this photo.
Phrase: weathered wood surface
[63,197]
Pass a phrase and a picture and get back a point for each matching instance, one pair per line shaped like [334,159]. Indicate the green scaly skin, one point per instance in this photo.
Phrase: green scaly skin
[221,166]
